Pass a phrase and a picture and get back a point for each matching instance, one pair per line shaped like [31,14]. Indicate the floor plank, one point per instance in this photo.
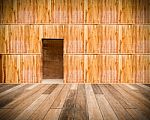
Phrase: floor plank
[29,110]
[145,86]
[23,97]
[2,85]
[13,113]
[145,92]
[11,96]
[119,97]
[68,110]
[93,108]
[107,111]
[134,101]
[43,109]
[81,112]
[121,113]
[50,89]
[136,114]
[10,90]
[75,102]
[96,89]
[7,87]
[60,100]
[53,114]
[138,96]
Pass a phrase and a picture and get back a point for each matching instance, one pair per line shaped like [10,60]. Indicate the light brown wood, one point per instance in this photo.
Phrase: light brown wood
[92,105]
[69,107]
[116,105]
[45,106]
[52,114]
[77,38]
[134,101]
[82,101]
[134,39]
[23,105]
[135,68]
[136,114]
[21,68]
[79,11]
[60,100]
[87,27]
[102,69]
[28,92]
[107,111]
[81,105]
[29,110]
[144,100]
[102,39]
[117,95]
[74,68]
[10,90]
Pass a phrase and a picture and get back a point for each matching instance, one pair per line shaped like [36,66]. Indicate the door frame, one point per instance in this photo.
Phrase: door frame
[42,55]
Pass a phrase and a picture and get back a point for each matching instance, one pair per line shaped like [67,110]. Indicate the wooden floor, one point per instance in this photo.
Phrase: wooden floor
[75,102]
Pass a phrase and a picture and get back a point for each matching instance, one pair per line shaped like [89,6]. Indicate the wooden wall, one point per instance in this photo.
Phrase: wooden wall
[74,11]
[105,41]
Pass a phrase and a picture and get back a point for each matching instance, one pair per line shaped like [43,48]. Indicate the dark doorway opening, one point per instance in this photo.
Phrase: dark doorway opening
[52,60]
[1,69]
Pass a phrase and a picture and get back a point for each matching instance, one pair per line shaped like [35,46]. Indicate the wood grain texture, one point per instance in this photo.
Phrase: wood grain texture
[80,102]
[70,11]
[24,104]
[101,11]
[20,39]
[74,68]
[134,11]
[77,38]
[74,42]
[6,100]
[135,68]
[134,39]
[120,111]
[81,105]
[94,112]
[69,109]
[107,111]
[102,39]
[28,38]
[21,69]
[102,69]
[80,68]
[46,105]
[91,28]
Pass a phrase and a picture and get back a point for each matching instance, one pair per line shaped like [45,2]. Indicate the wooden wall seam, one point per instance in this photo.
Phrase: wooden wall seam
[75,24]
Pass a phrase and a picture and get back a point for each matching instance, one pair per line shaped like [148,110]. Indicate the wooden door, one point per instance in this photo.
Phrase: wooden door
[0,68]
[52,58]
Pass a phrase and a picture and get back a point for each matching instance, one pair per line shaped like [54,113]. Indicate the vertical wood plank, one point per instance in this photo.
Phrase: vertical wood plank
[92,105]
[74,73]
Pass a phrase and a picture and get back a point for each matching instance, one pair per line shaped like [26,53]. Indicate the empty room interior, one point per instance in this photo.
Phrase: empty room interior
[74,59]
